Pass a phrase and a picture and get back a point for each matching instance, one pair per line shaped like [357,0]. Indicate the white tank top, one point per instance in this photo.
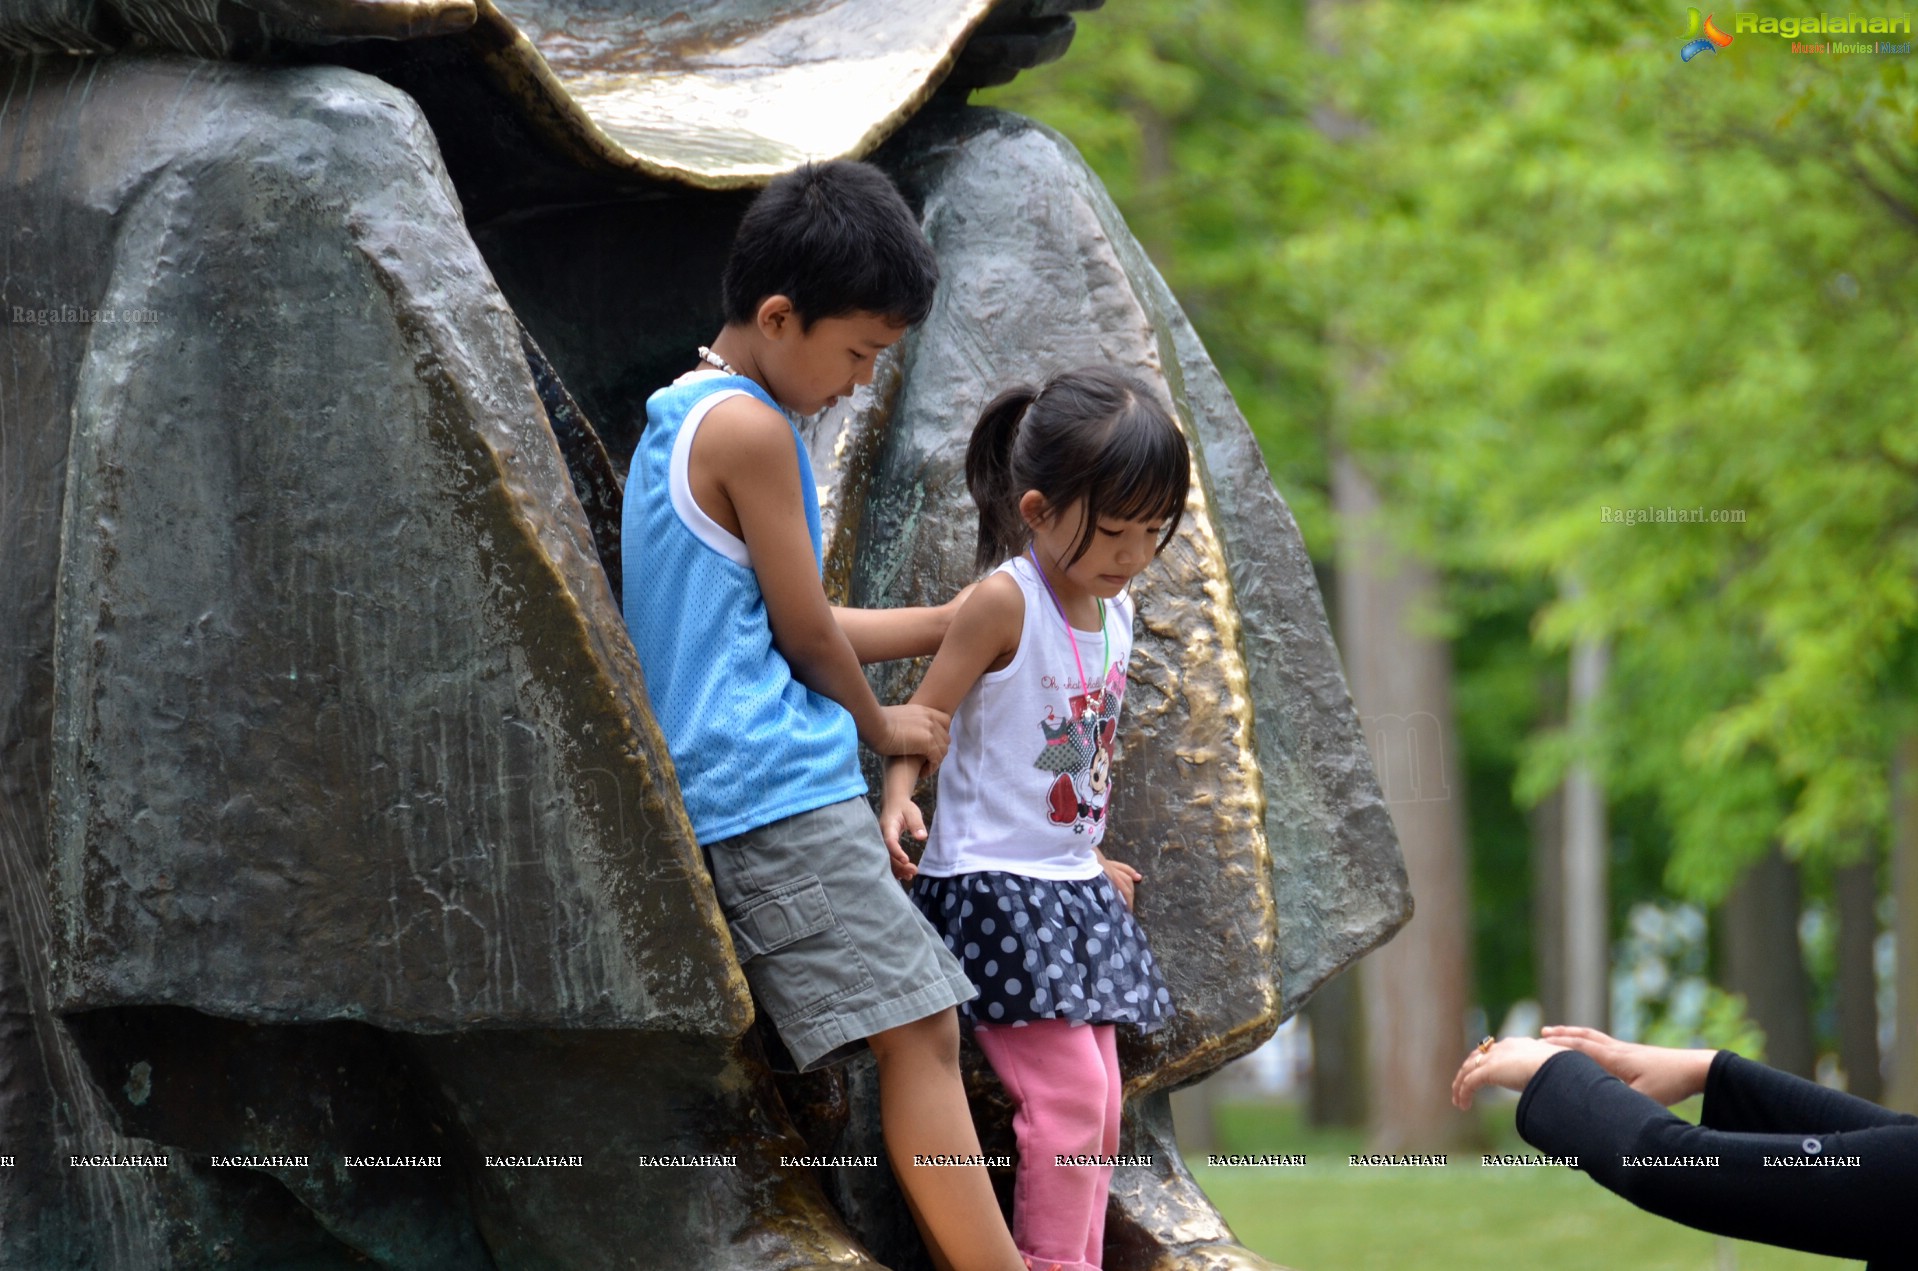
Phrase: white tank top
[1025,784]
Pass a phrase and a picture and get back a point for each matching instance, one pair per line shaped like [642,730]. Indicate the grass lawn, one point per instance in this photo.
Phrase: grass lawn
[1329,1216]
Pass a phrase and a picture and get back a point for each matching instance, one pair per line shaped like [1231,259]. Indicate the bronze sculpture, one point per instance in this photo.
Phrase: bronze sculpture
[336,825]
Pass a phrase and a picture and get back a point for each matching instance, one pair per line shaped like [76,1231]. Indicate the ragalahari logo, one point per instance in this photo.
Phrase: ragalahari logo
[1701,37]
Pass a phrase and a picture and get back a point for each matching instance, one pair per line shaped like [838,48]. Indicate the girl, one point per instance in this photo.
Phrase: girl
[1079,486]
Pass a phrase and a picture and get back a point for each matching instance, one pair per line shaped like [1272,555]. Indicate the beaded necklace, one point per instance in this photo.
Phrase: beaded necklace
[1095,700]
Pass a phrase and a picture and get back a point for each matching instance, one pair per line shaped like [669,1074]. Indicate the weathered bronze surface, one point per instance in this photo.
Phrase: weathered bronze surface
[335,715]
[244,27]
[334,818]
[727,95]
[596,479]
[349,629]
[711,95]
[1159,1220]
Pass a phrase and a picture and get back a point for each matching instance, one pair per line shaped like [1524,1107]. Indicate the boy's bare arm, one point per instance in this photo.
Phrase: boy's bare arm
[745,451]
[881,635]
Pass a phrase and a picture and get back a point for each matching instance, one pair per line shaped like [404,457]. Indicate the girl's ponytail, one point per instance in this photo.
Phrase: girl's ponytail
[1002,532]
[1094,439]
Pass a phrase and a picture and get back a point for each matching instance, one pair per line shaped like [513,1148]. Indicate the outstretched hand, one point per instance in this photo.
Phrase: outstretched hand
[1511,1063]
[1658,1072]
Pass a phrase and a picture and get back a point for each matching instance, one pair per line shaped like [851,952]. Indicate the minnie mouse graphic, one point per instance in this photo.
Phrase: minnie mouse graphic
[1079,749]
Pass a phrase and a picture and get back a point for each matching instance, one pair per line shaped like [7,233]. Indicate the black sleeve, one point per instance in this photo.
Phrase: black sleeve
[1855,1202]
[1741,1095]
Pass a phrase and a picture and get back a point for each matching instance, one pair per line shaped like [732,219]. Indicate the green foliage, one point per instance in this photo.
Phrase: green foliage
[1530,267]
[1660,993]
[1535,272]
[1600,278]
[1722,1024]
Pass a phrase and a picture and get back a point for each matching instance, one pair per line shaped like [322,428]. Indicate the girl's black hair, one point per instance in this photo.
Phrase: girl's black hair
[1094,434]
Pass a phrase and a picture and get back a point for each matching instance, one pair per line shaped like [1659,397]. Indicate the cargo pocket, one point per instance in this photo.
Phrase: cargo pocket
[795,954]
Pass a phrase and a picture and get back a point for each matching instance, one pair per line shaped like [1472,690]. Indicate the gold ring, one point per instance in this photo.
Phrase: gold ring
[1485,1043]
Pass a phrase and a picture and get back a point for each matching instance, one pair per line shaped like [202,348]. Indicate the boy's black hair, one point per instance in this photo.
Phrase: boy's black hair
[833,238]
[1094,434]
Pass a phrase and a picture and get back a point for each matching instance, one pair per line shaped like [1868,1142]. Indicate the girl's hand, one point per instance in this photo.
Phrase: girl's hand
[1658,1072]
[903,868]
[1122,875]
[897,819]
[1511,1062]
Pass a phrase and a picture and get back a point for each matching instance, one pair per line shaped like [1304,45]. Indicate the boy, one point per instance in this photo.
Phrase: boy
[756,684]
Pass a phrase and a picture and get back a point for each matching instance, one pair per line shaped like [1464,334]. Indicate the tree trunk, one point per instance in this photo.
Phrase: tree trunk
[1901,1086]
[1338,1054]
[1416,987]
[1588,960]
[1195,1123]
[1763,960]
[1547,822]
[1855,888]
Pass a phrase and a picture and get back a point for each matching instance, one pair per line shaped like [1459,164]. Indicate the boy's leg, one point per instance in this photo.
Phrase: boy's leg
[938,1259]
[1056,1077]
[923,1110]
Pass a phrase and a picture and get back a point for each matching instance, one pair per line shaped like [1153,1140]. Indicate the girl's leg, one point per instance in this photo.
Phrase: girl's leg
[1057,1080]
[1106,1036]
[923,1112]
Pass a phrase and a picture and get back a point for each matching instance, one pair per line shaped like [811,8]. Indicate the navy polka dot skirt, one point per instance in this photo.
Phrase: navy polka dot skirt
[1046,948]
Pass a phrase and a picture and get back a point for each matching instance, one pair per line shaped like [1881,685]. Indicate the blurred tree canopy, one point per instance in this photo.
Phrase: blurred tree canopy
[1542,277]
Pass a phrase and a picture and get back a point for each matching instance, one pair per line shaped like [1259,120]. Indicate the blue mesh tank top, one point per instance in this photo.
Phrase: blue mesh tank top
[751,744]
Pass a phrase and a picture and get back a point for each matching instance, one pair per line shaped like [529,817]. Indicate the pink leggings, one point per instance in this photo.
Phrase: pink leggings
[1064,1082]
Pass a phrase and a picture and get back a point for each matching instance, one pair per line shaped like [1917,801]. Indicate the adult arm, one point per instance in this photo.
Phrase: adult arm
[1750,1186]
[1739,1095]
[1666,1073]
[1744,1096]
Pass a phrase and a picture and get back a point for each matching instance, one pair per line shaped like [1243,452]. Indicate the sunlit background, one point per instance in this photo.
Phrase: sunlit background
[1589,374]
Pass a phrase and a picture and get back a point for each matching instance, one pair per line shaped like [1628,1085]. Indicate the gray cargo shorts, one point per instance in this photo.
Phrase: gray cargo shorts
[833,949]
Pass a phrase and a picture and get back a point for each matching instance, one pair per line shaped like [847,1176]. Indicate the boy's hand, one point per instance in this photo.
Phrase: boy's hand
[1123,877]
[912,730]
[895,821]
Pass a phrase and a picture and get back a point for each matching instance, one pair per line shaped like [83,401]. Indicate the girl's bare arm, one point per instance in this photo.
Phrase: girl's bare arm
[983,637]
